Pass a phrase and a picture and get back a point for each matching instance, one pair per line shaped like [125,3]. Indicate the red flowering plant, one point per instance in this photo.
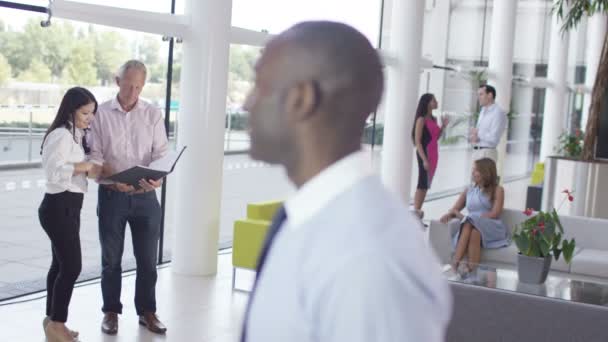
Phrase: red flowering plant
[541,235]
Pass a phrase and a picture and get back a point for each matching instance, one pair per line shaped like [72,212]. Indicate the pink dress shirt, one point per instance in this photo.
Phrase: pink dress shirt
[125,139]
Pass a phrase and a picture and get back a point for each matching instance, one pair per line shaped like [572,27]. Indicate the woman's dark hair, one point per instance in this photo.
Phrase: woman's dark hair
[73,99]
[421,111]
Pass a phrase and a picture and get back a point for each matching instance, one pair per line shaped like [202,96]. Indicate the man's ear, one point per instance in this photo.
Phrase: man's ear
[302,100]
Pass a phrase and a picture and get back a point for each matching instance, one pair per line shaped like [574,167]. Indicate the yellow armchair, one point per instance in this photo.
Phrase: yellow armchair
[250,234]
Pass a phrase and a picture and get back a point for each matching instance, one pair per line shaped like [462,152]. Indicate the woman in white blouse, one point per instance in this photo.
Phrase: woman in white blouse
[66,170]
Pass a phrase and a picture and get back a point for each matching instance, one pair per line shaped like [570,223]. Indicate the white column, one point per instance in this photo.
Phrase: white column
[437,47]
[402,95]
[556,98]
[522,99]
[201,127]
[500,64]
[596,31]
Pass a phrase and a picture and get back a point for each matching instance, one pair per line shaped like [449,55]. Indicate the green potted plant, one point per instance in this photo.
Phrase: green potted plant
[573,12]
[571,145]
[540,238]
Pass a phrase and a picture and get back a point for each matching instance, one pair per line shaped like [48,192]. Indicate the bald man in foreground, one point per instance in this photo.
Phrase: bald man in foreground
[344,260]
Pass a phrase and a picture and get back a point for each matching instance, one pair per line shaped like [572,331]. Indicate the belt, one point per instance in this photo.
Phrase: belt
[112,187]
[481,147]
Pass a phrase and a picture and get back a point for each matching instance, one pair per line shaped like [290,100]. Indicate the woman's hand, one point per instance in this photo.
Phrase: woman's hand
[445,218]
[95,171]
[457,214]
[425,164]
[82,167]
[452,213]
[445,120]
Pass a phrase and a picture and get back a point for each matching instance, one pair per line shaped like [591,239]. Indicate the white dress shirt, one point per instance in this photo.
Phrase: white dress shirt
[491,125]
[350,264]
[317,192]
[61,150]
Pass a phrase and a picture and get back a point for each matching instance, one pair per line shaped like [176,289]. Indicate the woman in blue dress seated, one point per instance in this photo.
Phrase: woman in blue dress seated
[482,226]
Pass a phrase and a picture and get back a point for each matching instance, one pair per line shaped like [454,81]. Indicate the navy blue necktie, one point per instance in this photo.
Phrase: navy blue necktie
[275,227]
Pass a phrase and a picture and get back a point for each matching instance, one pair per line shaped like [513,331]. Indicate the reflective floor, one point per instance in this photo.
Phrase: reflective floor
[193,308]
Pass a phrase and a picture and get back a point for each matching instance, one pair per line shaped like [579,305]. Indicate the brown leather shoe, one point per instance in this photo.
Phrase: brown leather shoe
[150,321]
[109,325]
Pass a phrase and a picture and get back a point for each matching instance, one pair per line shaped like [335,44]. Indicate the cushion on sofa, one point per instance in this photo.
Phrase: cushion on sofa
[506,255]
[588,232]
[591,262]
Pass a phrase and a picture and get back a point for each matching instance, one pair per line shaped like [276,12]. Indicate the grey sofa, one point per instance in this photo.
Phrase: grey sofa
[590,256]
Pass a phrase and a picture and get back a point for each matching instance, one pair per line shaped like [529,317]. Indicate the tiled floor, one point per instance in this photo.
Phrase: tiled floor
[193,308]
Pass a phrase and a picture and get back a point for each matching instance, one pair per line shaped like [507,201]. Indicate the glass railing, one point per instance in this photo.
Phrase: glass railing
[22,130]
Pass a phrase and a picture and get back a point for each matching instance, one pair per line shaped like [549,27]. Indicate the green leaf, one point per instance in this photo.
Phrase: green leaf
[522,242]
[550,228]
[556,252]
[555,218]
[577,10]
[557,238]
[534,250]
[568,248]
[544,247]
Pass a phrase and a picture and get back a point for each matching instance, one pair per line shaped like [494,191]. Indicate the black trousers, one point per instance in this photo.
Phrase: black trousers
[59,216]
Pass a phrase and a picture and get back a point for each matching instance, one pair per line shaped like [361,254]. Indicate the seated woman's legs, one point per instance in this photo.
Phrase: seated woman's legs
[474,249]
[462,245]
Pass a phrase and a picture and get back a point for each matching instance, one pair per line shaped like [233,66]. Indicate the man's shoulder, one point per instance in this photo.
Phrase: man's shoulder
[144,104]
[149,108]
[497,109]
[105,106]
[367,212]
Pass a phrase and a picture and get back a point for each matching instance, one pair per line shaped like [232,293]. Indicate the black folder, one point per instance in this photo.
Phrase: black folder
[155,171]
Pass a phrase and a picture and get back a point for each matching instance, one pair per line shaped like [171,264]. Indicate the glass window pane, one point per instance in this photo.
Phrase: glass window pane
[275,16]
[240,81]
[530,56]
[37,66]
[470,19]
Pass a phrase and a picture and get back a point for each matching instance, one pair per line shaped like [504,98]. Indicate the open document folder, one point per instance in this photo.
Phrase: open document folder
[156,170]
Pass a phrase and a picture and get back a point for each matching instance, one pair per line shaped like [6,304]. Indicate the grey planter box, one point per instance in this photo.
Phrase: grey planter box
[533,270]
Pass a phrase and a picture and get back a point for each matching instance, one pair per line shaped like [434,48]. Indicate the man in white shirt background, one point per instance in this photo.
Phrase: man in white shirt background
[490,127]
[344,260]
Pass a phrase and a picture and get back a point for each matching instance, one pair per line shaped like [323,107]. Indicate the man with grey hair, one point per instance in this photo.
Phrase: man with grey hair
[344,259]
[127,132]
